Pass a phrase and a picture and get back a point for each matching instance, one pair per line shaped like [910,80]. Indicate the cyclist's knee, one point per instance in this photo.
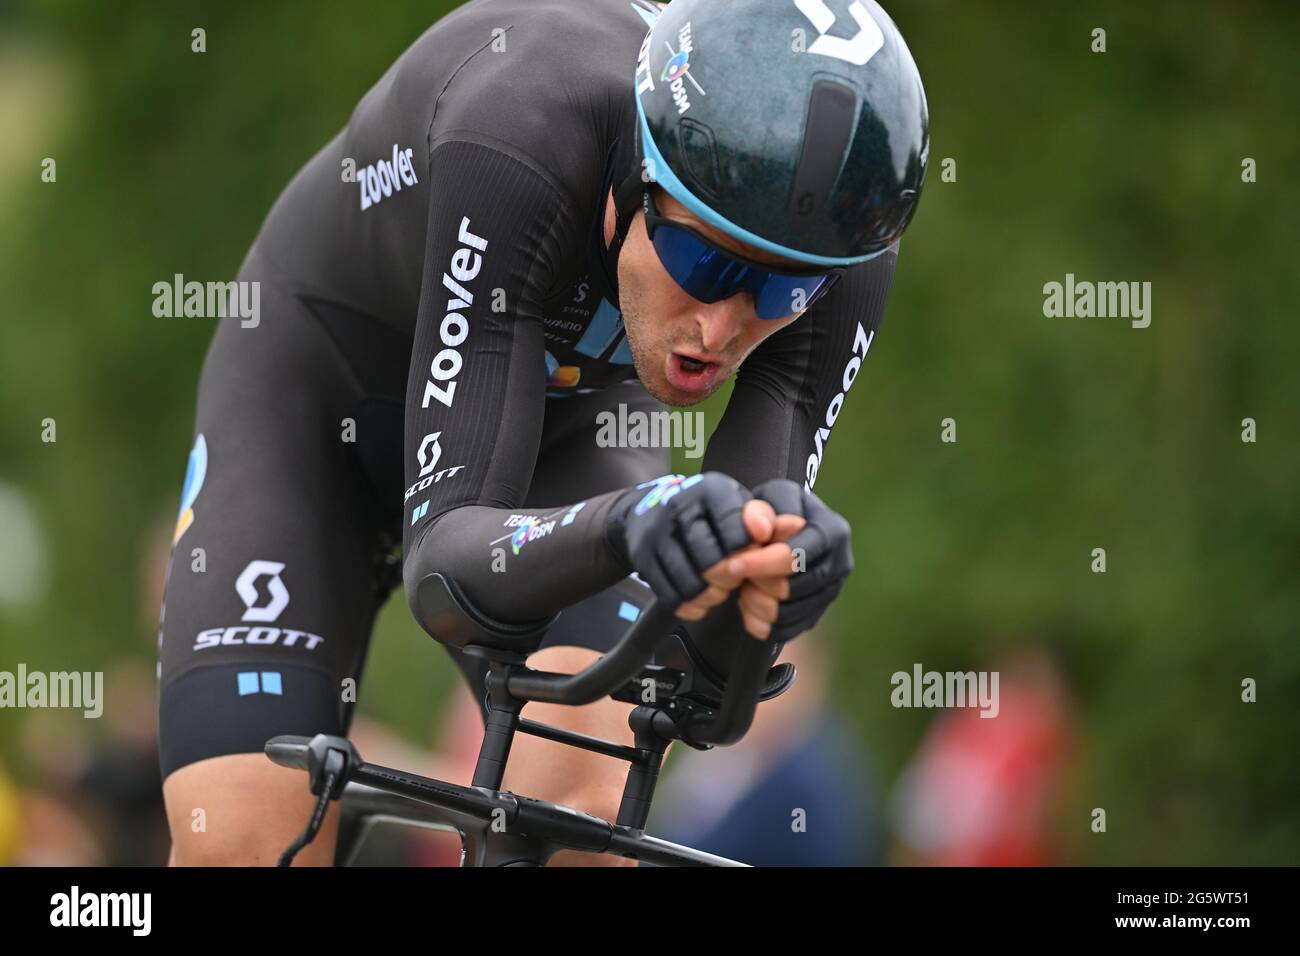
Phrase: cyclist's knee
[241,810]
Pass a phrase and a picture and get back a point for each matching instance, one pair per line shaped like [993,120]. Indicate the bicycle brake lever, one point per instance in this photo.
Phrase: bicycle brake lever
[331,758]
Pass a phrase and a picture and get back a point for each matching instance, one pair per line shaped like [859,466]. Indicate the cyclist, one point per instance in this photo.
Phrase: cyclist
[541,212]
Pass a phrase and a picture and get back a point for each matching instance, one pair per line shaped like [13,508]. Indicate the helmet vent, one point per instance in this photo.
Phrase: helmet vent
[701,155]
[832,109]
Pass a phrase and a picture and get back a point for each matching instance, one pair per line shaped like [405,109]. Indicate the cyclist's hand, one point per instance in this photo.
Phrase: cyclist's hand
[760,597]
[812,562]
[759,611]
[674,530]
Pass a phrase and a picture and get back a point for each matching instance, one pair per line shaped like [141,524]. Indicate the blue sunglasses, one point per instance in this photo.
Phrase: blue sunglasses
[708,273]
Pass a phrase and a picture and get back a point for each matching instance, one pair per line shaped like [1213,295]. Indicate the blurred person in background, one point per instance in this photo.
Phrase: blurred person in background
[51,822]
[744,801]
[118,788]
[90,794]
[982,791]
[118,785]
[96,797]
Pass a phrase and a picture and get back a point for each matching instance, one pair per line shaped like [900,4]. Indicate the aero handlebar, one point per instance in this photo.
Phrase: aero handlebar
[725,725]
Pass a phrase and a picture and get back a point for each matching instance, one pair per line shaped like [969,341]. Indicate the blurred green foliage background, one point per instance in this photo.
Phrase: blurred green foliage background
[1073,434]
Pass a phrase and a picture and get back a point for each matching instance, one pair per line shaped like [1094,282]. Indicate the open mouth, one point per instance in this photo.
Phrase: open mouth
[689,374]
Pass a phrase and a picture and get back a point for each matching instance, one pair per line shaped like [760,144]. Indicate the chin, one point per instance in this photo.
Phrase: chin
[663,392]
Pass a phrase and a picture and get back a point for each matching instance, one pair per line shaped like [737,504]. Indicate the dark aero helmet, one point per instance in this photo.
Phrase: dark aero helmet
[789,128]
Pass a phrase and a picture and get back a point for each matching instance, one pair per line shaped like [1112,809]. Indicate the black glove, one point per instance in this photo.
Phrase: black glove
[827,556]
[673,529]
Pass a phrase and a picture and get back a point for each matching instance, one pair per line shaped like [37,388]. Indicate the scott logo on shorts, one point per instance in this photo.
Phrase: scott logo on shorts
[265,597]
[277,593]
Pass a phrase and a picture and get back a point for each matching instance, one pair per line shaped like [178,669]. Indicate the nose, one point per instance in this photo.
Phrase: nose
[720,323]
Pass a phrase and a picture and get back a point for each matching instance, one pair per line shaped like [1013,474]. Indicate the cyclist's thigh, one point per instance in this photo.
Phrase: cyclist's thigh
[274,581]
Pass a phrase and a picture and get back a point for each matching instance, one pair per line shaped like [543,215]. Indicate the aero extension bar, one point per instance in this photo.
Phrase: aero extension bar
[623,663]
[725,725]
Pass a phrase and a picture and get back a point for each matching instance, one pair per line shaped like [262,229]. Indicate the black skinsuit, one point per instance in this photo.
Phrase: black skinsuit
[436,335]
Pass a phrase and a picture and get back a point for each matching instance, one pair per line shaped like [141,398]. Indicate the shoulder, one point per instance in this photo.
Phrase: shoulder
[548,81]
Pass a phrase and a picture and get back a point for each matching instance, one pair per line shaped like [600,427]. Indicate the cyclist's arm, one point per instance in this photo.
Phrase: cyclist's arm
[791,390]
[499,231]
[787,397]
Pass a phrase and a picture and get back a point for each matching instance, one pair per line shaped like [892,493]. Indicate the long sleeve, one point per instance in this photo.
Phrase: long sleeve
[788,395]
[498,229]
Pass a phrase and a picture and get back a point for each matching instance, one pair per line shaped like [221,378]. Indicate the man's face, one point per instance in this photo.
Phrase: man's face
[685,349]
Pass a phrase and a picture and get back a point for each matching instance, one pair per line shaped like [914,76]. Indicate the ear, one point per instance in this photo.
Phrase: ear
[627,203]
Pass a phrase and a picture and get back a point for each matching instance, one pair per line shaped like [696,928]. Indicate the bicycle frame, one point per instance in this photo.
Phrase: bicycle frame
[500,828]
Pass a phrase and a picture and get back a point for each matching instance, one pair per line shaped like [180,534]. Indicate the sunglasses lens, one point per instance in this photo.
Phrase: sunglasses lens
[703,272]
[710,275]
[786,295]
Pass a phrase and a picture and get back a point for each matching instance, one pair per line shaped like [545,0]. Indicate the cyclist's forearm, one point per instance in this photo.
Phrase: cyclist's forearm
[517,565]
